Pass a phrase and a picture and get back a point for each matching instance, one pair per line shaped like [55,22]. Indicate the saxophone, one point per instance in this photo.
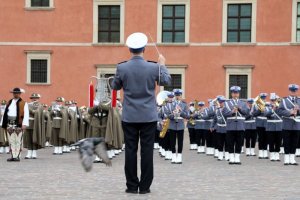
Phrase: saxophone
[165,128]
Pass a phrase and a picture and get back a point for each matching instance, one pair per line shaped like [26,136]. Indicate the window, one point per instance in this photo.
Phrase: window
[39,71]
[240,75]
[298,23]
[38,67]
[173,23]
[242,81]
[176,82]
[239,23]
[109,24]
[40,3]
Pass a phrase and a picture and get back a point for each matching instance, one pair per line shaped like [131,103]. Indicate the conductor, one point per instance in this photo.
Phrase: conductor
[138,77]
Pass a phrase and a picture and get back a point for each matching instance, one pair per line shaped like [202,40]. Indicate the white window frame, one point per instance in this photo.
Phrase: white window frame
[107,69]
[177,69]
[45,55]
[253,20]
[29,7]
[187,19]
[294,22]
[238,70]
[96,4]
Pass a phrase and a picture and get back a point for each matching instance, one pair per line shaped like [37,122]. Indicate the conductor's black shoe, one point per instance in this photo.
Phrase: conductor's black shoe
[10,159]
[293,163]
[131,191]
[145,191]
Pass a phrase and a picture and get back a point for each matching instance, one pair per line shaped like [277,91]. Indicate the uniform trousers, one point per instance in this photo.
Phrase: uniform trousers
[209,138]
[234,141]
[176,135]
[200,137]
[290,141]
[274,138]
[192,134]
[250,138]
[222,146]
[133,132]
[262,138]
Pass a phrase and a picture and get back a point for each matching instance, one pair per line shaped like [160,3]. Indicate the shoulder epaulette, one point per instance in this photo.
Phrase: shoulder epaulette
[152,61]
[122,62]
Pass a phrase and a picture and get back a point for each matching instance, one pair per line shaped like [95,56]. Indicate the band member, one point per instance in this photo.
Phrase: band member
[200,127]
[191,126]
[219,124]
[289,110]
[138,77]
[235,124]
[274,129]
[85,122]
[3,137]
[167,109]
[33,138]
[73,126]
[250,130]
[261,122]
[177,116]
[209,136]
[15,120]
[60,126]
[46,125]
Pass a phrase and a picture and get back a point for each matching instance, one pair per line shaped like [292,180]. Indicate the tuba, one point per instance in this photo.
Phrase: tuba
[160,100]
[261,105]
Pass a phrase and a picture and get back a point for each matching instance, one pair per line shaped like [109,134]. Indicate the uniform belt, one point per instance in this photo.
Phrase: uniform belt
[200,120]
[31,118]
[242,118]
[57,118]
[274,121]
[222,125]
[261,117]
[250,121]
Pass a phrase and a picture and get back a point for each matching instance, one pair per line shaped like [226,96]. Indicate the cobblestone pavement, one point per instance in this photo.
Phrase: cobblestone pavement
[199,177]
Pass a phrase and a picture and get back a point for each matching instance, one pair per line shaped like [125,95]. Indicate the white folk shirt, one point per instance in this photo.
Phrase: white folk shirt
[12,112]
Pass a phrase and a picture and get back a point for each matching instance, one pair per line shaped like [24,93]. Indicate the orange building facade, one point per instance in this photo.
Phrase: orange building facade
[54,47]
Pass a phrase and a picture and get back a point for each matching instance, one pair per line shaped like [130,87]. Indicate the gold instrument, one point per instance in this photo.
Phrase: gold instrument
[261,105]
[161,100]
[216,103]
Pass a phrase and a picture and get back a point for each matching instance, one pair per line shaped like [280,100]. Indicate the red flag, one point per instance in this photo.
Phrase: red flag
[114,98]
[91,95]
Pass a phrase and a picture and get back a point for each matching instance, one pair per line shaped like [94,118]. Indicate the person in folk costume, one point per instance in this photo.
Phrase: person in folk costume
[15,120]
[60,125]
[273,129]
[219,124]
[4,147]
[166,142]
[235,124]
[191,126]
[261,122]
[46,125]
[200,127]
[74,117]
[250,129]
[34,138]
[289,112]
[177,116]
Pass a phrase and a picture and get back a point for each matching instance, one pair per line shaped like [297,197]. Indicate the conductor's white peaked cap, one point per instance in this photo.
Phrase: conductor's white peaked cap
[136,40]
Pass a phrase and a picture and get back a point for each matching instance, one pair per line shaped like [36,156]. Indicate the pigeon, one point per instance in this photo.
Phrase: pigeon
[90,146]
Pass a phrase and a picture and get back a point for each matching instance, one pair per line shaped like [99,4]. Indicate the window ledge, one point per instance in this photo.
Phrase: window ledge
[108,44]
[173,44]
[39,8]
[239,44]
[295,43]
[39,84]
